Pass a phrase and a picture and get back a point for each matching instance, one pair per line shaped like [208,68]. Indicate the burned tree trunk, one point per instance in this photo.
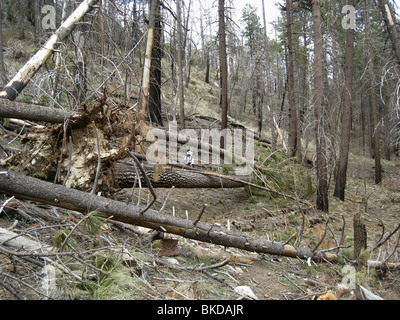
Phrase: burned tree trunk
[155,110]
[223,68]
[181,89]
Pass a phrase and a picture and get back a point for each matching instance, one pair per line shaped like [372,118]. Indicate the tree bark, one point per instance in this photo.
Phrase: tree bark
[181,92]
[223,66]
[155,70]
[360,236]
[341,174]
[142,115]
[80,72]
[3,72]
[26,111]
[268,90]
[375,130]
[207,78]
[56,195]
[383,265]
[32,112]
[391,27]
[25,74]
[322,180]
[292,140]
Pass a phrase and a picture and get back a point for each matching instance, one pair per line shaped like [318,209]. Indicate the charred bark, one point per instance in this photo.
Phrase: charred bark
[155,70]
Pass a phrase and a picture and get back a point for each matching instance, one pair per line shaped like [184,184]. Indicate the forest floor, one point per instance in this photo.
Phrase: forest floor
[271,277]
[139,271]
[193,271]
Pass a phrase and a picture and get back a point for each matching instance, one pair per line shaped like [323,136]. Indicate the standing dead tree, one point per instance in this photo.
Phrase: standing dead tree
[223,66]
[391,27]
[346,107]
[292,140]
[142,115]
[180,66]
[322,180]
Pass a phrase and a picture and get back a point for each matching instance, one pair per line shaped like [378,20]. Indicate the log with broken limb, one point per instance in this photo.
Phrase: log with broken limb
[25,74]
[166,176]
[29,188]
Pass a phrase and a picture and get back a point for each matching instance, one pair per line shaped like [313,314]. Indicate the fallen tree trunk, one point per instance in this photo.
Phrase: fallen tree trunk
[34,189]
[26,111]
[25,74]
[383,265]
[162,176]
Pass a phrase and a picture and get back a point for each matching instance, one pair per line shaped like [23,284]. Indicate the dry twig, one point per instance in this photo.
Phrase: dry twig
[147,181]
[382,241]
[96,178]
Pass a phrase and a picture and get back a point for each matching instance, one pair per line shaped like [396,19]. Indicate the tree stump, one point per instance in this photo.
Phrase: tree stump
[360,236]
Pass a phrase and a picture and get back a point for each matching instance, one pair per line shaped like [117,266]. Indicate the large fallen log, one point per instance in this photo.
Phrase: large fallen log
[34,189]
[27,111]
[164,176]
